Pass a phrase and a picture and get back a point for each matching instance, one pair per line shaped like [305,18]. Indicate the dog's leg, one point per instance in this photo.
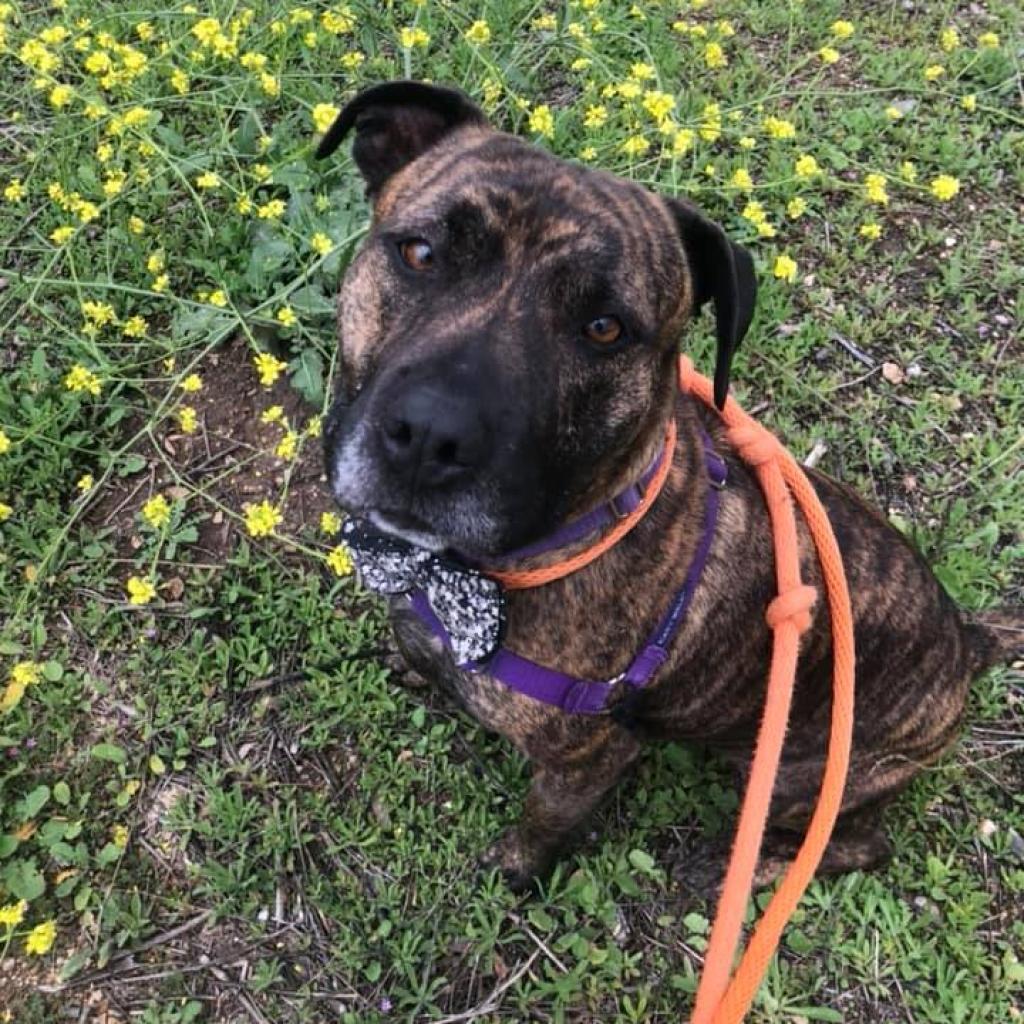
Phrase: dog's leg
[858,843]
[562,795]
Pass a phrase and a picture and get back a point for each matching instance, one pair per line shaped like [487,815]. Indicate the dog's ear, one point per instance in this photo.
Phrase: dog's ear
[395,122]
[723,271]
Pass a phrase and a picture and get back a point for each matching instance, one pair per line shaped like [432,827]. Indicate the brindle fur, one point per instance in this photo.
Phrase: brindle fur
[520,214]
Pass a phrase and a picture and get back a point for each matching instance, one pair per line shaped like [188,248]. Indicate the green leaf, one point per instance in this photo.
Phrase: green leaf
[24,880]
[74,964]
[156,764]
[642,861]
[34,802]
[130,465]
[307,375]
[696,924]
[540,919]
[109,752]
[62,793]
[53,671]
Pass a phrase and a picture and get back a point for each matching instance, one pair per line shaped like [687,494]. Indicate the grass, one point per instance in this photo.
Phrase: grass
[218,795]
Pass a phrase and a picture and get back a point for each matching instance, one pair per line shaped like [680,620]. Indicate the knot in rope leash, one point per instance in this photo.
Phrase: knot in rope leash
[794,606]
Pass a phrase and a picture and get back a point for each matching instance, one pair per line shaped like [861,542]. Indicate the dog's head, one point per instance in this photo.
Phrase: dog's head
[509,328]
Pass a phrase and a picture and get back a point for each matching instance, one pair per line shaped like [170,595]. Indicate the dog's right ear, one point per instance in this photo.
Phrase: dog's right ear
[395,122]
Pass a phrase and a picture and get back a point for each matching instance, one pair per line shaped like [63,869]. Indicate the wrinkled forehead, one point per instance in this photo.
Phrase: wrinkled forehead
[501,195]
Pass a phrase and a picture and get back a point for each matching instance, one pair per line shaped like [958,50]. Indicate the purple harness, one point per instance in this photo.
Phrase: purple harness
[588,696]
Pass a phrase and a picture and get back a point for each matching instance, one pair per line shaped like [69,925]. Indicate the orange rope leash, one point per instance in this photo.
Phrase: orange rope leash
[720,1001]
[522,579]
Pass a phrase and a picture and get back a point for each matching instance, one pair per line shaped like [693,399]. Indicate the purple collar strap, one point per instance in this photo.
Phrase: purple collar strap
[596,519]
[586,696]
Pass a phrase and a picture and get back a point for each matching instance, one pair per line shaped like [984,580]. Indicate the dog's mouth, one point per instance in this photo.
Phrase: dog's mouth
[407,527]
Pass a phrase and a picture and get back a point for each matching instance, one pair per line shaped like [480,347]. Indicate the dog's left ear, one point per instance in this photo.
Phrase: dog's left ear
[395,122]
[723,271]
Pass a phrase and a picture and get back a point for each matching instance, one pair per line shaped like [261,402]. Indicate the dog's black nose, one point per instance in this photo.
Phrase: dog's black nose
[433,439]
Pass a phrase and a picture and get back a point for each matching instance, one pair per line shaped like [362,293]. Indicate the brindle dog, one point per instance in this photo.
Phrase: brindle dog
[509,335]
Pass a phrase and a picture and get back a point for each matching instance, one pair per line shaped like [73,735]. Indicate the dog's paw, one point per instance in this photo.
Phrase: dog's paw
[520,867]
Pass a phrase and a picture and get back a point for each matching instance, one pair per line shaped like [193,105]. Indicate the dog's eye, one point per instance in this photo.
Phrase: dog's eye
[416,253]
[604,330]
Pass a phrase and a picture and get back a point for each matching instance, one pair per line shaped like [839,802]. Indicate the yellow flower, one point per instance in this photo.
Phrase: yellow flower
[785,269]
[338,22]
[544,23]
[287,446]
[746,142]
[136,225]
[410,37]
[933,72]
[119,836]
[779,128]
[208,179]
[27,673]
[588,153]
[268,367]
[796,207]
[658,104]
[261,519]
[85,483]
[806,166]
[842,29]
[272,415]
[5,443]
[340,560]
[218,297]
[870,230]
[893,113]
[61,96]
[321,244]
[315,426]
[157,512]
[81,379]
[944,187]
[13,914]
[949,39]
[192,383]
[269,84]
[909,171]
[187,419]
[479,33]
[271,210]
[60,235]
[635,145]
[160,282]
[155,262]
[324,115]
[754,212]
[714,56]
[988,40]
[140,591]
[15,191]
[351,60]
[641,72]
[874,189]
[40,939]
[5,511]
[828,55]
[541,121]
[682,141]
[742,180]
[286,316]
[135,327]
[969,103]
[330,523]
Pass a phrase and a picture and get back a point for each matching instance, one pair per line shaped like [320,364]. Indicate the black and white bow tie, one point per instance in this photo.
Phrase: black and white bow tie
[469,606]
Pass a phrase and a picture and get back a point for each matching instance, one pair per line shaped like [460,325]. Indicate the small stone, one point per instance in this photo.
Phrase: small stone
[988,828]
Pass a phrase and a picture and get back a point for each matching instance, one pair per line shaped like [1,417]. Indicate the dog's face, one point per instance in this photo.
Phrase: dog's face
[509,328]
